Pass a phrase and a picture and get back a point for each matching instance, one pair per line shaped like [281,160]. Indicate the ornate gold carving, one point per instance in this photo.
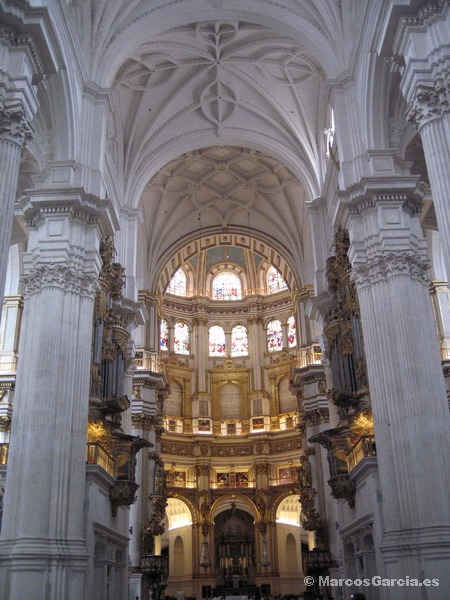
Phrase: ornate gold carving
[122,493]
[5,421]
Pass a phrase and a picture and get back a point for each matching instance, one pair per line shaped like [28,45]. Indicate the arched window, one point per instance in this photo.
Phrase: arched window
[181,338]
[216,341]
[274,336]
[239,341]
[164,336]
[226,286]
[178,283]
[292,332]
[275,283]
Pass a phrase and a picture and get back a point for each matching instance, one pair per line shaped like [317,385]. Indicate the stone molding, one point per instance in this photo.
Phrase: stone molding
[14,126]
[62,277]
[390,265]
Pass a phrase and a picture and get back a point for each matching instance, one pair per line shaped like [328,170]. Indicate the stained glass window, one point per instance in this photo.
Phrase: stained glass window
[216,341]
[275,283]
[292,332]
[178,284]
[226,286]
[274,336]
[239,341]
[181,338]
[164,339]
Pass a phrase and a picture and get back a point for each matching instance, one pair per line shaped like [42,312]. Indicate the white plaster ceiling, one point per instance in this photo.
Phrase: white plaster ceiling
[221,188]
[247,105]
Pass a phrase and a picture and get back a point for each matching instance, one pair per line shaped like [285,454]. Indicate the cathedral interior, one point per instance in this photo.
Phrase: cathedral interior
[225,325]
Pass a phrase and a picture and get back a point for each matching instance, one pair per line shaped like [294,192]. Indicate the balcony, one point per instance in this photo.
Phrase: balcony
[149,363]
[309,355]
[363,448]
[96,455]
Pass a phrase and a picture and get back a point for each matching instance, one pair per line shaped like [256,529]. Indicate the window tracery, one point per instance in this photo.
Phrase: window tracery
[292,332]
[275,282]
[182,338]
[226,286]
[239,341]
[274,336]
[178,284]
[216,341]
[164,336]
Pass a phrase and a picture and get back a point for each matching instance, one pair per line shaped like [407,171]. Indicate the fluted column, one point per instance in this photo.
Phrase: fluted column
[42,545]
[430,111]
[14,133]
[388,256]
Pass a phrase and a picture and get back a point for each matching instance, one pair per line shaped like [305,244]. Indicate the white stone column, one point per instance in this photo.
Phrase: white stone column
[388,256]
[42,549]
[422,40]
[430,111]
[14,133]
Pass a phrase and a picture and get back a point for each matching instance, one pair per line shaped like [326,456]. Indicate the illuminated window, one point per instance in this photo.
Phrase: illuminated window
[274,336]
[292,332]
[181,338]
[178,284]
[226,286]
[239,341]
[216,341]
[164,339]
[275,283]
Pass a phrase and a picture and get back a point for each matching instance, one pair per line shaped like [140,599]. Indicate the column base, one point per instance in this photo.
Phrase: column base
[43,569]
[135,586]
[419,555]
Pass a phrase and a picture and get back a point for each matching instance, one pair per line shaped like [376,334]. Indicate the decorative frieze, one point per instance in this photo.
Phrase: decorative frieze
[225,451]
[177,449]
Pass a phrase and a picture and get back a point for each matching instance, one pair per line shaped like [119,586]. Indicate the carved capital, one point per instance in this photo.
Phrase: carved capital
[144,421]
[430,102]
[393,264]
[63,277]
[14,126]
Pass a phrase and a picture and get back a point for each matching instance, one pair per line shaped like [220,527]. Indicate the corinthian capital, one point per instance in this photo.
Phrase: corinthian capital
[430,101]
[390,265]
[14,126]
[62,277]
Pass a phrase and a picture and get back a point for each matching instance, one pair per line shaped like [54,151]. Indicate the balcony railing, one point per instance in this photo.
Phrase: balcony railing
[149,363]
[364,447]
[310,355]
[96,455]
[8,367]
[4,453]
